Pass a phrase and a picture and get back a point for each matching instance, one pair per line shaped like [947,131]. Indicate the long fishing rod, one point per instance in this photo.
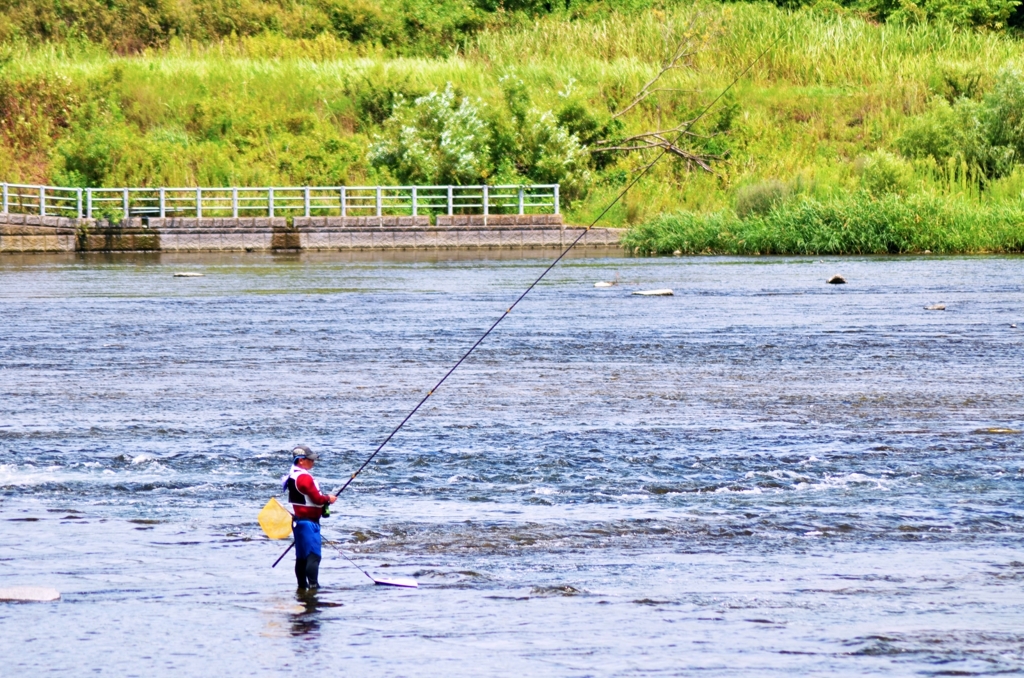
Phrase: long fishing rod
[554,263]
[643,172]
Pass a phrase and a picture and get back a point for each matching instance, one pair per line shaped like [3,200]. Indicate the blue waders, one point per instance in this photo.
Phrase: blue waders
[307,553]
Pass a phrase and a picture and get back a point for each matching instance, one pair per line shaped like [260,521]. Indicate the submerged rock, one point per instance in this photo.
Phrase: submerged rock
[836,280]
[654,293]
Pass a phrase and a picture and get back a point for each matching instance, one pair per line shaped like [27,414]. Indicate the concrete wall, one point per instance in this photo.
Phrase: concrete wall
[320,223]
[32,233]
[455,238]
[216,234]
[26,233]
[499,220]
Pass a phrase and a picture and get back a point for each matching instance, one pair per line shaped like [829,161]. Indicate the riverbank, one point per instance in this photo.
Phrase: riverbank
[534,98]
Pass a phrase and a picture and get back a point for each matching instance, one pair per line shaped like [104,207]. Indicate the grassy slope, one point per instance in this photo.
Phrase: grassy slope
[269,110]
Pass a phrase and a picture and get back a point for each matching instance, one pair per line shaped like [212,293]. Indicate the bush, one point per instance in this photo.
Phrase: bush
[759,199]
[882,173]
[987,135]
[438,139]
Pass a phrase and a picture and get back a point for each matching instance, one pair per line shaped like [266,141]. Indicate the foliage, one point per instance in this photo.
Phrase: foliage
[760,198]
[441,138]
[850,224]
[262,108]
[882,173]
[438,139]
[990,14]
[987,135]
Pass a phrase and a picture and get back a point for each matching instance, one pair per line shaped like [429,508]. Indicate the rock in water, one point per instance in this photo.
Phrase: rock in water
[29,594]
[604,284]
[837,280]
[935,307]
[654,293]
[188,274]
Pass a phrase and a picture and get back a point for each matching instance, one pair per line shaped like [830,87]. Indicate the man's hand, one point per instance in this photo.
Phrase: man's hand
[331,498]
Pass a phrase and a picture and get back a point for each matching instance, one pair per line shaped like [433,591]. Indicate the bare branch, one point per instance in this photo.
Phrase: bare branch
[666,139]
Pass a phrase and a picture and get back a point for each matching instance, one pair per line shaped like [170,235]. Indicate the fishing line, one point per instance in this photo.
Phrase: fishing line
[351,562]
[643,172]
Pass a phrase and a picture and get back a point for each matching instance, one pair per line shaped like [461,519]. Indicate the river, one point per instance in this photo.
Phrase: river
[762,475]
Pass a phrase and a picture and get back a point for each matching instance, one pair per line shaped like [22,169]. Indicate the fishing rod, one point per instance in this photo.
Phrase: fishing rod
[554,263]
[640,175]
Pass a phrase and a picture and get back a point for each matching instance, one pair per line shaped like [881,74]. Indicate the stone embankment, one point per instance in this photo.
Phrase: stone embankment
[31,233]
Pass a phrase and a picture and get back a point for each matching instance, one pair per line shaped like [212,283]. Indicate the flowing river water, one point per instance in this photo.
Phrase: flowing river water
[762,475]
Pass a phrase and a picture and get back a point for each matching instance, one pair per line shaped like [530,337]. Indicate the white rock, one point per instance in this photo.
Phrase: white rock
[604,284]
[188,274]
[29,594]
[654,293]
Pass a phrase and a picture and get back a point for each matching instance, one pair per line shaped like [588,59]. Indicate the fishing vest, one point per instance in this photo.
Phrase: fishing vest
[295,496]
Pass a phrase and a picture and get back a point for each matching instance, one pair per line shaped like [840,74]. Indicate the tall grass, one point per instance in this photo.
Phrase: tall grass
[851,224]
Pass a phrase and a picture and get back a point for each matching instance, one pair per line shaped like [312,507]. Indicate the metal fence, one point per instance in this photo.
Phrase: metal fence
[116,204]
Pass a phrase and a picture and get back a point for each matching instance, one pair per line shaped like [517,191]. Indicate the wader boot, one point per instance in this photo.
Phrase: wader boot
[307,571]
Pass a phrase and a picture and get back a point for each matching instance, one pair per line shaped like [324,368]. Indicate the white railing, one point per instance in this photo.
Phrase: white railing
[116,204]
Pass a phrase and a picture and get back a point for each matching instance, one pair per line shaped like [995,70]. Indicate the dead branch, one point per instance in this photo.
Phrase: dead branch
[666,139]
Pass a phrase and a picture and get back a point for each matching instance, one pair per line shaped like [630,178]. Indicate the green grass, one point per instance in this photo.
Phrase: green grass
[287,107]
[851,224]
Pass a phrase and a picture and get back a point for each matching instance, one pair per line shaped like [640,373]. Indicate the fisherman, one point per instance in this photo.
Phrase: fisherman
[307,506]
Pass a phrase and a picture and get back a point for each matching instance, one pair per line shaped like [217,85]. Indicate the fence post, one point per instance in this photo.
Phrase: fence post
[78,202]
[487,199]
[199,203]
[234,203]
[124,202]
[451,206]
[379,212]
[5,198]
[163,203]
[521,200]
[305,199]
[556,200]
[88,203]
[414,201]
[270,202]
[343,201]
[42,201]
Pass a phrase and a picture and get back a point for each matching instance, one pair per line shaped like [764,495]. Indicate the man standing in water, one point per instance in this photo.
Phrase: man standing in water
[307,505]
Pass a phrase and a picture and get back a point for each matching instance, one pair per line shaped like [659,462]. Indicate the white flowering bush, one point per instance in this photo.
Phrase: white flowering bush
[555,156]
[437,139]
[443,139]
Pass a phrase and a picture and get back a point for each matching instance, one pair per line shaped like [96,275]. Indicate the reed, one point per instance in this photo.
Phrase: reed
[850,224]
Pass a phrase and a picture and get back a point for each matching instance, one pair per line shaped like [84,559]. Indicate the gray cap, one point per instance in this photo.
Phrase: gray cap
[303,452]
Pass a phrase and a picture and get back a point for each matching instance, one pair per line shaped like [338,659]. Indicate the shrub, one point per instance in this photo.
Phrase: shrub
[759,199]
[438,139]
[987,135]
[882,173]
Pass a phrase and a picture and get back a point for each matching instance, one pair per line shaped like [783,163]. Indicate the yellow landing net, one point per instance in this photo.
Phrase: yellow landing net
[275,520]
